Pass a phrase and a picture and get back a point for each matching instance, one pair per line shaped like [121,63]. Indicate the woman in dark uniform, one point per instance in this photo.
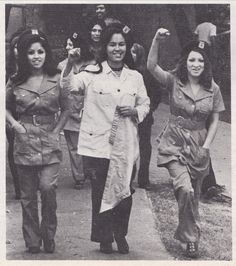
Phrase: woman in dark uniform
[37,97]
[185,141]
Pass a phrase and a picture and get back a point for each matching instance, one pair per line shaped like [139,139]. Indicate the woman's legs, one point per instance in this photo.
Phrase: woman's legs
[187,193]
[108,223]
[44,178]
[29,185]
[48,176]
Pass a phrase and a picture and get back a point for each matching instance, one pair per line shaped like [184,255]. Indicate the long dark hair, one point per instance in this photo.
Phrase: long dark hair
[141,62]
[117,28]
[26,39]
[11,66]
[182,72]
[81,42]
[93,22]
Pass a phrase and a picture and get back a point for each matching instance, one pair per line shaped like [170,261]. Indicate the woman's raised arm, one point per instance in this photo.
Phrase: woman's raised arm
[152,61]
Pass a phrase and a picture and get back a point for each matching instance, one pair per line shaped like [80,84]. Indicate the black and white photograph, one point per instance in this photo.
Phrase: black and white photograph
[117,131]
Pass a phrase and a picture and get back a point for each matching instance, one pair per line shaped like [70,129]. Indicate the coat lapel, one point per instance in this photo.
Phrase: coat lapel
[47,84]
[186,89]
[203,94]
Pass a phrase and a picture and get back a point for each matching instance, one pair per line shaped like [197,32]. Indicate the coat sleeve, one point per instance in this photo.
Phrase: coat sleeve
[10,98]
[142,100]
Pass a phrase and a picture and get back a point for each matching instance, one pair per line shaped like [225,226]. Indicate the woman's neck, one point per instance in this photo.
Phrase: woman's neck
[95,44]
[115,65]
[37,72]
[193,80]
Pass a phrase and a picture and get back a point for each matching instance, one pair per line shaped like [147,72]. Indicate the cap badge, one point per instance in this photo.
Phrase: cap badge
[201,45]
[35,32]
[126,29]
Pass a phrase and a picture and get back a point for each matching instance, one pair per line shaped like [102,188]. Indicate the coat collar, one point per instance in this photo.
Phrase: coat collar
[187,90]
[48,83]
[124,74]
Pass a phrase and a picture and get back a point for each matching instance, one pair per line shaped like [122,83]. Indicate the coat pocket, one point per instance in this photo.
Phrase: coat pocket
[21,143]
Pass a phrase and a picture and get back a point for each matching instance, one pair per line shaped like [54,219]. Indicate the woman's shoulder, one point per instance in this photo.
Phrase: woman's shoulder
[92,68]
[214,86]
[133,72]
[53,78]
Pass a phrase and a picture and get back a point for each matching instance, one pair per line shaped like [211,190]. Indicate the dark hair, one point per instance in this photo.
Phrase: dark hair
[96,21]
[81,42]
[118,28]
[11,67]
[26,39]
[182,72]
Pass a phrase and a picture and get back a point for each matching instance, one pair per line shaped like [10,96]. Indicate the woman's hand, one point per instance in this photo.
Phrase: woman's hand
[18,127]
[162,34]
[127,111]
[73,55]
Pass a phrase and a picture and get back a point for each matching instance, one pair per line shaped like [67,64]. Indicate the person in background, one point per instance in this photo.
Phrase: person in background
[72,126]
[115,102]
[35,94]
[102,14]
[95,29]
[144,128]
[206,32]
[11,68]
[185,141]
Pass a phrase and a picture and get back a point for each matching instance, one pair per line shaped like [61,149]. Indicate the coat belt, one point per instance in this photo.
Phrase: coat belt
[38,120]
[186,123]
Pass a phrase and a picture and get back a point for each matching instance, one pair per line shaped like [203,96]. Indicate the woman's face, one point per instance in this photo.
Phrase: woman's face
[195,64]
[69,45]
[96,33]
[133,53]
[116,48]
[36,56]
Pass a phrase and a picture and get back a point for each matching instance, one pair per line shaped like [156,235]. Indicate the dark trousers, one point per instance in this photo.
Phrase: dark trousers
[10,138]
[145,149]
[111,223]
[43,178]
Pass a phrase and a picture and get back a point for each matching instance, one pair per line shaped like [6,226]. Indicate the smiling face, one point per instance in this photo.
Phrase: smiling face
[195,64]
[100,11]
[96,33]
[36,55]
[116,49]
[69,45]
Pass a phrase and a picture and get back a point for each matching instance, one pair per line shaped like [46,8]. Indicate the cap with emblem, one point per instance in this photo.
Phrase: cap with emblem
[29,36]
[200,46]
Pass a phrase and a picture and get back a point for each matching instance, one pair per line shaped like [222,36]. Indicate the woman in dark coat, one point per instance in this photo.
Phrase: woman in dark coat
[184,143]
[37,97]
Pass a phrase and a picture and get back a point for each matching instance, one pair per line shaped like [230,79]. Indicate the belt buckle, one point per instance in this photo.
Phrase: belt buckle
[35,122]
